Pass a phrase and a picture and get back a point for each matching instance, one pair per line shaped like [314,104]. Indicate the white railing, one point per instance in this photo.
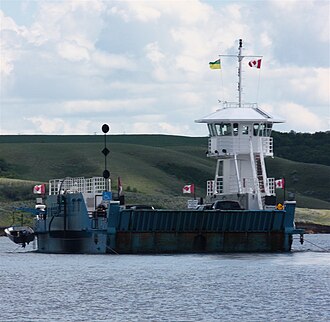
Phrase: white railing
[222,146]
[210,187]
[267,146]
[247,186]
[235,104]
[239,145]
[95,185]
[271,186]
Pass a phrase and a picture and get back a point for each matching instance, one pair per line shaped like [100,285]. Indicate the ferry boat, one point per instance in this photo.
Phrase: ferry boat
[80,215]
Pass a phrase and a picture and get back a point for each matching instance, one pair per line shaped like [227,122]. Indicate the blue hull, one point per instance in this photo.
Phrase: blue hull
[71,229]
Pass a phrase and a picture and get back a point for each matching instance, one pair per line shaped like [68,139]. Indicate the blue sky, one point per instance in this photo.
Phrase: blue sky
[67,67]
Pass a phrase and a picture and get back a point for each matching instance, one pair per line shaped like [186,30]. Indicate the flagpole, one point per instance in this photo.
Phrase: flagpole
[222,96]
[240,73]
[284,189]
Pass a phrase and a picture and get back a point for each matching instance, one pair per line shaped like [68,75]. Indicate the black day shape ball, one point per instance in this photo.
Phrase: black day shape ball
[105,128]
[106,174]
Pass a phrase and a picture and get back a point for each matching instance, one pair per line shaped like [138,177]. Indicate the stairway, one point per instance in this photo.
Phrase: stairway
[259,172]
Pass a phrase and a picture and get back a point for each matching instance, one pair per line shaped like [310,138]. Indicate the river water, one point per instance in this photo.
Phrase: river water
[232,287]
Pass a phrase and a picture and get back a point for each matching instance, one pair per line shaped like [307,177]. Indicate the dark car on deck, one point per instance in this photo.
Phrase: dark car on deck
[207,206]
[140,207]
[227,205]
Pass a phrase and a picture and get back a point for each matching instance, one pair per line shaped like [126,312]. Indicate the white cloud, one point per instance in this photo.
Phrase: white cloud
[10,34]
[174,129]
[186,12]
[308,87]
[144,12]
[107,61]
[153,53]
[302,119]
[154,127]
[107,106]
[144,64]
[72,51]
[46,125]
[76,21]
[190,98]
[7,23]
[312,83]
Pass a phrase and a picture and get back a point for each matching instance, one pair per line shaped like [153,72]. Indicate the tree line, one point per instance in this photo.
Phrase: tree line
[303,147]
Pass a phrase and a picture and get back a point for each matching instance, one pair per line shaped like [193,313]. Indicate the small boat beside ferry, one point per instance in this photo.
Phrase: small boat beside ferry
[240,214]
[21,235]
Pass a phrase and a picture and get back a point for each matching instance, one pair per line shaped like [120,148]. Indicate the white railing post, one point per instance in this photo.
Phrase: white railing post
[237,175]
[255,178]
[263,167]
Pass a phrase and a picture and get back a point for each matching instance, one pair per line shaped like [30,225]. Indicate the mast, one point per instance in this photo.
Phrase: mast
[240,58]
[239,72]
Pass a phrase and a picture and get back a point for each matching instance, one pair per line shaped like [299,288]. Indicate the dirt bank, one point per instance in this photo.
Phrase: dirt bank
[311,228]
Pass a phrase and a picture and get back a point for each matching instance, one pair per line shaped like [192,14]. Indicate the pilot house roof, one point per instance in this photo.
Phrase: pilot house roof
[239,114]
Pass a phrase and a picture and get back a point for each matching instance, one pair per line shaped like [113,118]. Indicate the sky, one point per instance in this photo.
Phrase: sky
[142,67]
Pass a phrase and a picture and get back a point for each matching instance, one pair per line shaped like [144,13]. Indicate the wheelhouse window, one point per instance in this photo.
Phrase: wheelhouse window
[211,129]
[223,129]
[235,129]
[245,129]
[256,127]
[269,129]
[220,168]
[263,129]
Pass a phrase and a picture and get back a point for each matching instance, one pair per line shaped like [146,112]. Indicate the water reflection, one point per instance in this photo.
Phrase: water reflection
[226,287]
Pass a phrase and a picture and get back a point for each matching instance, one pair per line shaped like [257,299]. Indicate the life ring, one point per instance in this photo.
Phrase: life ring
[279,206]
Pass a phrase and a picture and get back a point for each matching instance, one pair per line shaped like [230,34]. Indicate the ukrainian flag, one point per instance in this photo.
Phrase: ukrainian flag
[215,65]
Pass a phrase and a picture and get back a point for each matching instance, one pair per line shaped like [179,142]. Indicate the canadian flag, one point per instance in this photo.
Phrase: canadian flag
[279,184]
[39,189]
[188,188]
[255,63]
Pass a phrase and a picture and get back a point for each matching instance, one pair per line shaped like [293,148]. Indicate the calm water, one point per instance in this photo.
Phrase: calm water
[249,287]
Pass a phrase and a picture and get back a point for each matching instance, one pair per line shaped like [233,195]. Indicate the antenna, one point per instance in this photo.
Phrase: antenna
[240,57]
[105,151]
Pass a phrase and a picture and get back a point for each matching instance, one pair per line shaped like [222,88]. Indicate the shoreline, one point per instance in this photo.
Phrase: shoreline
[312,228]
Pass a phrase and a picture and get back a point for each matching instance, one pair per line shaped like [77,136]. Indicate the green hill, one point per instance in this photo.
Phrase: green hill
[149,163]
[303,147]
[303,179]
[154,167]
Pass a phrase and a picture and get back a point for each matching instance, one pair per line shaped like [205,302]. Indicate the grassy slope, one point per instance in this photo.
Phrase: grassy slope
[156,166]
[318,216]
[159,164]
[7,213]
[310,180]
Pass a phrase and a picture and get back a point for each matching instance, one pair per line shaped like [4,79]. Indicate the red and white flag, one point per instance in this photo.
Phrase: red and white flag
[255,63]
[188,188]
[279,184]
[39,189]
